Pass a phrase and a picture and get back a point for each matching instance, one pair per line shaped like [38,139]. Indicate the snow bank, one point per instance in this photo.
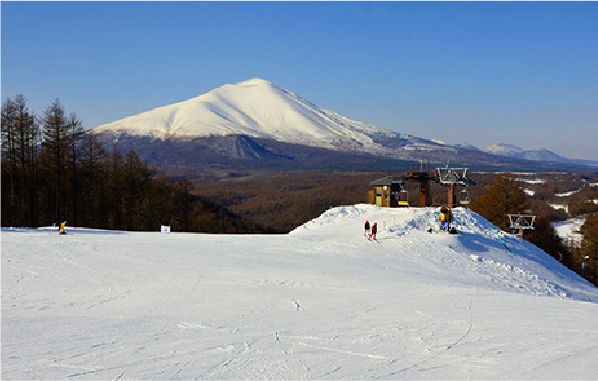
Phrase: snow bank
[503,261]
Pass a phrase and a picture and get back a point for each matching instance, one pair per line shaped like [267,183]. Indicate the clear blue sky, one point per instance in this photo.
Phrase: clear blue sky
[482,73]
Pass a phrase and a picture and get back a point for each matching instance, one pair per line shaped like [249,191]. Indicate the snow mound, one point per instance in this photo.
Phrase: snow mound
[481,254]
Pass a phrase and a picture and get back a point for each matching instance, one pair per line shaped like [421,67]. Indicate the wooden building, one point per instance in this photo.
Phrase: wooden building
[386,192]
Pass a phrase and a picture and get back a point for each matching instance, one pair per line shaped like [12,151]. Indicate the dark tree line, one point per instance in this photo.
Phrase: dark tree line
[587,255]
[53,170]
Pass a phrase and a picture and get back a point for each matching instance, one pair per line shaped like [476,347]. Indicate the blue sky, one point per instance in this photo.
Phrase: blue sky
[480,73]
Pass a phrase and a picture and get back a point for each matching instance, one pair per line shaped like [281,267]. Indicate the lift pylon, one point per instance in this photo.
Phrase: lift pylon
[520,222]
[451,178]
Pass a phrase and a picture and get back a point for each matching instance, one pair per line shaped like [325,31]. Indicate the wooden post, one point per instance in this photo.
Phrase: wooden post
[451,195]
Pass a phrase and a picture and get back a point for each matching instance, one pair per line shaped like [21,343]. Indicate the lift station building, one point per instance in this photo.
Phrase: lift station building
[386,191]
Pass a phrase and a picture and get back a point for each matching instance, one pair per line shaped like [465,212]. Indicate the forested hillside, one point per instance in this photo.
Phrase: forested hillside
[54,171]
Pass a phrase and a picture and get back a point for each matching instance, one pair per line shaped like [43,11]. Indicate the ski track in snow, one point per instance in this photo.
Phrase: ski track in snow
[322,302]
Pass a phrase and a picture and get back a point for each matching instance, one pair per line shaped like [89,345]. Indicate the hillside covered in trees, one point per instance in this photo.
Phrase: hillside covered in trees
[53,170]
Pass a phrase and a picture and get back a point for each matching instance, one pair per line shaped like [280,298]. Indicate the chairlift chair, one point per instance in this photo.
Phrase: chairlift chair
[464,199]
[403,197]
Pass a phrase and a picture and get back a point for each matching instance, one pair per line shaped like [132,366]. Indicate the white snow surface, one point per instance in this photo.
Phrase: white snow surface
[257,108]
[569,228]
[529,192]
[566,194]
[322,302]
[564,207]
[530,181]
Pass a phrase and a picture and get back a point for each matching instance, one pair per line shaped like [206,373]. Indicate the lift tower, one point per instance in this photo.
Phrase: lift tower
[451,178]
[521,222]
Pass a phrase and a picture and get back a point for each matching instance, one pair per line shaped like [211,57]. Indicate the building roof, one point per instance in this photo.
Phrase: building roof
[388,181]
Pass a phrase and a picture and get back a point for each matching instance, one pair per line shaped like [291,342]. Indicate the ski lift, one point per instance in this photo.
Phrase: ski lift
[464,199]
[403,199]
[521,221]
[452,176]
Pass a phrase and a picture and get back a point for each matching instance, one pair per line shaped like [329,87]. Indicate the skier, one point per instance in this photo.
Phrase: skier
[374,231]
[444,218]
[366,227]
[61,230]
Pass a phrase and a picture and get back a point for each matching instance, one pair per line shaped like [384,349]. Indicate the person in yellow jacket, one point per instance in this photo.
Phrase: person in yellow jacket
[61,228]
[445,218]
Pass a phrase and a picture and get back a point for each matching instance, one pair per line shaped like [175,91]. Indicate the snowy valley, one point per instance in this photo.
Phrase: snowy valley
[321,302]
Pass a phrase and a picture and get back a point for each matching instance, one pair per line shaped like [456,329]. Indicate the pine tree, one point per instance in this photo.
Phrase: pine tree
[75,133]
[501,197]
[92,160]
[55,147]
[9,162]
[588,252]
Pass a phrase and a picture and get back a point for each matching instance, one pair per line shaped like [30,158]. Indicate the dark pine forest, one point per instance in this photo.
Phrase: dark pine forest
[53,170]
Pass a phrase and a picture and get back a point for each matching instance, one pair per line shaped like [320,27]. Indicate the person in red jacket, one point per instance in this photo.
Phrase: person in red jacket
[374,231]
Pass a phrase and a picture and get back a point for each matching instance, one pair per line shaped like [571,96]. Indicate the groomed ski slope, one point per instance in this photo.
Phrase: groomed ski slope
[319,303]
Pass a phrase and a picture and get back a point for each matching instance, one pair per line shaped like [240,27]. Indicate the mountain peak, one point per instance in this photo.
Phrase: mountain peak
[257,108]
[502,148]
[255,81]
[511,150]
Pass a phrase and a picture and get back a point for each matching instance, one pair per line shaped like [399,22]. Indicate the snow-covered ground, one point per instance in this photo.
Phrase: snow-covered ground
[564,207]
[530,181]
[567,194]
[529,192]
[568,228]
[322,302]
[568,231]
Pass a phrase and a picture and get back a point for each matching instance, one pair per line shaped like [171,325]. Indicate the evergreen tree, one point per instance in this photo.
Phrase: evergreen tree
[9,162]
[588,252]
[501,197]
[92,157]
[20,140]
[54,149]
[75,133]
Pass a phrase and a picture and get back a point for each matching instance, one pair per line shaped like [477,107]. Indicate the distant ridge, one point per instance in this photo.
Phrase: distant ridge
[249,120]
[514,151]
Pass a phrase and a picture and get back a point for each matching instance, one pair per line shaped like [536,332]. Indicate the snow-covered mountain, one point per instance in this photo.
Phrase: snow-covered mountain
[511,150]
[322,302]
[258,108]
[263,113]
